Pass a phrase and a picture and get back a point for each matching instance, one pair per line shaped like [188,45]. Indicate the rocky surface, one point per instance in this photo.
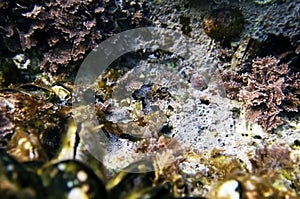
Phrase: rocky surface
[220,123]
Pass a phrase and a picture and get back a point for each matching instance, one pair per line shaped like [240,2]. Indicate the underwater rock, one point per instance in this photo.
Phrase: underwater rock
[150,93]
[181,101]
[279,18]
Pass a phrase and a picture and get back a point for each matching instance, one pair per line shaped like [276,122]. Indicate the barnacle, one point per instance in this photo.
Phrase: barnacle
[198,81]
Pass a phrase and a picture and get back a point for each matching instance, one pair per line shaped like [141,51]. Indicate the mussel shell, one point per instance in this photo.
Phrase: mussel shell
[16,181]
[136,183]
[159,191]
[71,179]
